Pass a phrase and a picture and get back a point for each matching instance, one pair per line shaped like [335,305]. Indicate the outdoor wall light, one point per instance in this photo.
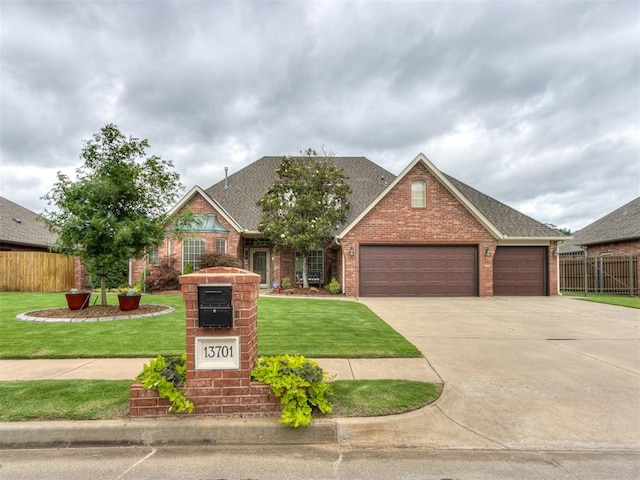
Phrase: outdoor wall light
[352,252]
[487,252]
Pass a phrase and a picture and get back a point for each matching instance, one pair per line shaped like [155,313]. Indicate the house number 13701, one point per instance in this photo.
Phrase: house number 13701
[218,351]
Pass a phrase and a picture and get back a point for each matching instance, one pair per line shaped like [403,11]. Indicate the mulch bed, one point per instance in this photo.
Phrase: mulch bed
[96,311]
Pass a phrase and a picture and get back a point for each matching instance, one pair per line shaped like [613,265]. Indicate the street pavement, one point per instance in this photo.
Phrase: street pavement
[539,373]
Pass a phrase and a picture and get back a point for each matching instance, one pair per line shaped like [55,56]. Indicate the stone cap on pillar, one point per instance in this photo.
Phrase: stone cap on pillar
[220,275]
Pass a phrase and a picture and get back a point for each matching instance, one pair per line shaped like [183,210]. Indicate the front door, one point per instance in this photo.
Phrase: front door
[259,264]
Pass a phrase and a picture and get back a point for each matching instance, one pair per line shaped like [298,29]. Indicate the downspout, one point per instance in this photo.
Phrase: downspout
[344,264]
[557,255]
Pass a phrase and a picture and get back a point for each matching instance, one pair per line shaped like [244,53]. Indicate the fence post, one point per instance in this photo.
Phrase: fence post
[631,275]
[586,277]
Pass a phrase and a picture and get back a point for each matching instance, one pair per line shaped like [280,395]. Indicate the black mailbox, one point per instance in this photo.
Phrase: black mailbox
[215,309]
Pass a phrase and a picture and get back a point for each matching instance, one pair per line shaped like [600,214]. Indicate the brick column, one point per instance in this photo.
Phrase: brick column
[229,392]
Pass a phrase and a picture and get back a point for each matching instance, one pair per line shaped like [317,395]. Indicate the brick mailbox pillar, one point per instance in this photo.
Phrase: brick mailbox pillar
[219,359]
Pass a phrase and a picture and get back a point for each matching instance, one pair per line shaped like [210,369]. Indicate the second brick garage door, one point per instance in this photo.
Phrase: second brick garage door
[418,270]
[520,271]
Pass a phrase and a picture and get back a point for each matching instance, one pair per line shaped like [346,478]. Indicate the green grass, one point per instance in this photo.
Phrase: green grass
[366,398]
[107,400]
[310,327]
[143,337]
[64,399]
[326,329]
[619,300]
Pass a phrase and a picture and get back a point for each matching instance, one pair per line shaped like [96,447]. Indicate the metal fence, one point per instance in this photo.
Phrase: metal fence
[600,275]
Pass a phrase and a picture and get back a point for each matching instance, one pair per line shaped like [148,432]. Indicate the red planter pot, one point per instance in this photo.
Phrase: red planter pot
[129,302]
[78,301]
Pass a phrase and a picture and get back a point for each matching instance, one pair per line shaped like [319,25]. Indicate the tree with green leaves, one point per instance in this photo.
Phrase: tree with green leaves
[305,206]
[116,208]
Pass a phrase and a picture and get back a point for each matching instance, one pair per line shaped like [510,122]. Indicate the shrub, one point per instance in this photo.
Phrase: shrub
[217,259]
[298,382]
[188,268]
[334,286]
[163,276]
[166,375]
[286,283]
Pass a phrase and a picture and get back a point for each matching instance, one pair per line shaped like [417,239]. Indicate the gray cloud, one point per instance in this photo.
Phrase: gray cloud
[534,103]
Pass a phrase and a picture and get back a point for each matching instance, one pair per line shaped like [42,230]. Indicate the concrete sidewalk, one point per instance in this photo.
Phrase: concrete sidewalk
[417,369]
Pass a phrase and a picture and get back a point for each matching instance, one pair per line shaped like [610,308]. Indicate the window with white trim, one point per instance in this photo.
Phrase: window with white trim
[418,194]
[221,245]
[192,248]
[152,256]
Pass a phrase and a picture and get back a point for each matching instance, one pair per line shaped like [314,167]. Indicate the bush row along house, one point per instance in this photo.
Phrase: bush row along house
[421,233]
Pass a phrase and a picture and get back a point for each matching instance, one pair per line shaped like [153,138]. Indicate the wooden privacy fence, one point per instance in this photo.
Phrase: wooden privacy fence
[35,272]
[615,275]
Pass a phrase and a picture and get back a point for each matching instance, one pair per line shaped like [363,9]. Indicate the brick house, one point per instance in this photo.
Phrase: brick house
[615,234]
[420,233]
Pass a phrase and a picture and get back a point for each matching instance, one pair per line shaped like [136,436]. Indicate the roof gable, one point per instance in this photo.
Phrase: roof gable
[500,220]
[21,226]
[184,201]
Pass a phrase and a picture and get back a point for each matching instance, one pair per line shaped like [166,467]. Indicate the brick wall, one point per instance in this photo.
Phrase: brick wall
[630,247]
[219,392]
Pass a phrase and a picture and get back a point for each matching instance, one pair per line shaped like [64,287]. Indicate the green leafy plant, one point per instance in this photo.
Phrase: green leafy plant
[188,268]
[334,286]
[167,374]
[286,283]
[299,383]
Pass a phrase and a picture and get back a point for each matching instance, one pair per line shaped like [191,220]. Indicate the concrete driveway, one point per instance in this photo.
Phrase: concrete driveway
[540,373]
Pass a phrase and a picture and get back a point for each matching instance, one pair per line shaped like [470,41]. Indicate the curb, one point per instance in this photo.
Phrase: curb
[173,431]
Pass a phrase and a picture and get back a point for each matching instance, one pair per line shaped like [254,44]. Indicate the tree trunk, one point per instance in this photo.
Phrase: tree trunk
[305,270]
[103,288]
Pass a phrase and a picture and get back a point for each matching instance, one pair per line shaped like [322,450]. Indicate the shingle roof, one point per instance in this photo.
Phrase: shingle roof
[246,186]
[619,225]
[21,226]
[368,182]
[507,220]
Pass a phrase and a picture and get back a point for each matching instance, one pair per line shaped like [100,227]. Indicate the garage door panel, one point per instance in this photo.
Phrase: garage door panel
[392,270]
[520,271]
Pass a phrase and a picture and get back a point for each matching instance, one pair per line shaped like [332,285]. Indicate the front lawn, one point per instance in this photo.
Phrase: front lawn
[108,400]
[310,327]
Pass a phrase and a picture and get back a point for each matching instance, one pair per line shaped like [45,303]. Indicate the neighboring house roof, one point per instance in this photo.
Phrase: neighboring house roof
[502,221]
[620,225]
[241,191]
[20,226]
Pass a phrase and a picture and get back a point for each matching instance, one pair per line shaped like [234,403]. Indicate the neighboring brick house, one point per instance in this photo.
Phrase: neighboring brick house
[420,233]
[617,233]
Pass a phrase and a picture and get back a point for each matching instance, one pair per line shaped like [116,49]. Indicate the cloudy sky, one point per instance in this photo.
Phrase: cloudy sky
[536,103]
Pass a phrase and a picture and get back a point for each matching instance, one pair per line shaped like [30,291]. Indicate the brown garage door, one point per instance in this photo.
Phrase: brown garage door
[520,271]
[418,270]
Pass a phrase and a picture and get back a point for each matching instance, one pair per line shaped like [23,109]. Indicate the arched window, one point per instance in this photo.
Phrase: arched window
[418,194]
